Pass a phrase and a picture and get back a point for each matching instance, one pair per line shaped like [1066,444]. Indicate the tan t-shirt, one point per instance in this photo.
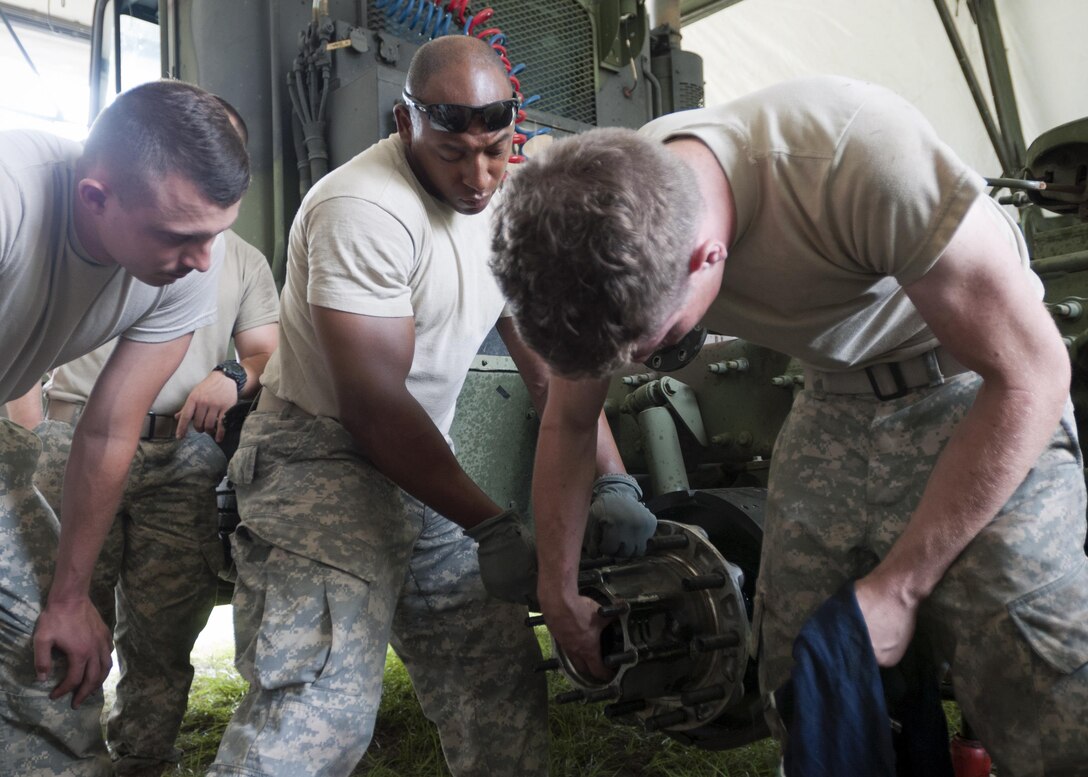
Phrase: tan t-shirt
[246,299]
[370,240]
[844,194]
[56,302]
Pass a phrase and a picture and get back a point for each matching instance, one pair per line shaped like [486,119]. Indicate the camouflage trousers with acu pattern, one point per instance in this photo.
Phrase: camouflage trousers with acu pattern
[335,563]
[39,737]
[161,560]
[1010,616]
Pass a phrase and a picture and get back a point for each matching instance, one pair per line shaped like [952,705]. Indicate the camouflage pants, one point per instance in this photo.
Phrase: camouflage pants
[335,563]
[1010,615]
[39,737]
[161,560]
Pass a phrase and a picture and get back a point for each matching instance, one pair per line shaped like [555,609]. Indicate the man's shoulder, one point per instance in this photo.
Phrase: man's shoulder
[790,102]
[27,150]
[241,252]
[377,177]
[247,269]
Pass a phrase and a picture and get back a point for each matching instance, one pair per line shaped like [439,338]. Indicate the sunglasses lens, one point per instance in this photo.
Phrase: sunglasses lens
[458,118]
[498,115]
[453,118]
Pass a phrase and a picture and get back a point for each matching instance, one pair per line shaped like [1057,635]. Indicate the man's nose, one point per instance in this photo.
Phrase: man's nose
[476,175]
[199,256]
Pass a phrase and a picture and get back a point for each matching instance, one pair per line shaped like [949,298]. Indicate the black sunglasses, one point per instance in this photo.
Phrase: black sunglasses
[458,118]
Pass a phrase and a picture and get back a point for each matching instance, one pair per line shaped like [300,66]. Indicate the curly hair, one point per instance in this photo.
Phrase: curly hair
[591,244]
[166,127]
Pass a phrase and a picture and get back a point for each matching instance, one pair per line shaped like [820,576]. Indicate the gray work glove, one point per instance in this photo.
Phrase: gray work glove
[507,553]
[619,524]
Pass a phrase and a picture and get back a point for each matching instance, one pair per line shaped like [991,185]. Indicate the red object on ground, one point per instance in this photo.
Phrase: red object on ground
[969,758]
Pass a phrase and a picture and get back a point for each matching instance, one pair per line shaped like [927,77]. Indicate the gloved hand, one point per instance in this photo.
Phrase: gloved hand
[507,553]
[619,524]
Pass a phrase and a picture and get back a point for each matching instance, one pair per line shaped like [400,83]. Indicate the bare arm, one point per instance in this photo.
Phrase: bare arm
[534,371]
[562,481]
[369,358]
[254,348]
[102,450]
[210,399]
[1012,343]
[27,409]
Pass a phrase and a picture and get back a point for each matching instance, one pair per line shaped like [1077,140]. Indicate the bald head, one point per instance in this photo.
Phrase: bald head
[437,60]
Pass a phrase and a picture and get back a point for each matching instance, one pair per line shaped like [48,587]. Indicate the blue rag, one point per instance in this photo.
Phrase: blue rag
[835,709]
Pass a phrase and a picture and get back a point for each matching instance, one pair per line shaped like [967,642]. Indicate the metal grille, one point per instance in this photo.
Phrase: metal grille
[689,95]
[554,39]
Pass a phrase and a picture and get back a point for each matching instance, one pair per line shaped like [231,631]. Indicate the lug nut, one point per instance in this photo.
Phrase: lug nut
[703,582]
[702,695]
[624,708]
[716,642]
[667,542]
[613,660]
[666,719]
[567,697]
[613,610]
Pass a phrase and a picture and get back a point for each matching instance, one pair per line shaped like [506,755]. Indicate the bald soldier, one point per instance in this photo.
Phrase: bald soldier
[351,501]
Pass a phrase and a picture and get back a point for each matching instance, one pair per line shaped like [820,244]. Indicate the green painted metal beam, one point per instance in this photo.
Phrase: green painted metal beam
[694,10]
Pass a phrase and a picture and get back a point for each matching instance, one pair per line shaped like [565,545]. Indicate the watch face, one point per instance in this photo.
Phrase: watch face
[234,371]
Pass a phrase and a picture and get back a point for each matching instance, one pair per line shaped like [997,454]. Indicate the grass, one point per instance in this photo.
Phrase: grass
[583,742]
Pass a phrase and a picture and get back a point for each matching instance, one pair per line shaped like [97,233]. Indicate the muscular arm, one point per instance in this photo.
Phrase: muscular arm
[369,358]
[1010,340]
[254,348]
[27,409]
[562,480]
[102,450]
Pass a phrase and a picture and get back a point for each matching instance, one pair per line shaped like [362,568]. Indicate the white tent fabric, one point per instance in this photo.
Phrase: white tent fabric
[902,45]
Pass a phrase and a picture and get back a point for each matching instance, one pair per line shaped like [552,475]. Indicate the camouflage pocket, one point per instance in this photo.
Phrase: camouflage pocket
[243,465]
[1054,620]
[1069,426]
[294,639]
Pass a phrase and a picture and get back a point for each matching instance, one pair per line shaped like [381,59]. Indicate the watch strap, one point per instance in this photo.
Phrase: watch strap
[233,370]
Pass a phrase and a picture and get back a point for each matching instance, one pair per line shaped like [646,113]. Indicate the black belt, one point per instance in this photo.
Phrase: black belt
[156,426]
[889,380]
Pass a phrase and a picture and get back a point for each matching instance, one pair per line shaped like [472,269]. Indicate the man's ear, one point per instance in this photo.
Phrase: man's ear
[705,255]
[93,194]
[404,123]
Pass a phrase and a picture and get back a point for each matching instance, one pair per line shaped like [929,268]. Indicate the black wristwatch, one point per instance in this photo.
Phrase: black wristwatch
[234,371]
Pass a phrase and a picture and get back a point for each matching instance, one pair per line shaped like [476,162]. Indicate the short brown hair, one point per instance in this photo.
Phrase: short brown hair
[166,127]
[591,245]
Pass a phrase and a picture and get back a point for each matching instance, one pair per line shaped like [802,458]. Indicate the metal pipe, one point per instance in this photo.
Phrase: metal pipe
[655,90]
[117,47]
[997,65]
[665,13]
[18,43]
[1071,262]
[97,27]
[661,444]
[996,140]
[1016,183]
[279,253]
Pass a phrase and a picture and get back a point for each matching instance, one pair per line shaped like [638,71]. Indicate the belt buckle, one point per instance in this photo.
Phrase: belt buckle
[901,387]
[151,421]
